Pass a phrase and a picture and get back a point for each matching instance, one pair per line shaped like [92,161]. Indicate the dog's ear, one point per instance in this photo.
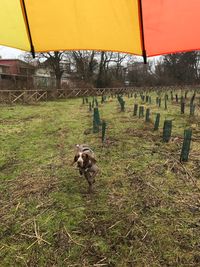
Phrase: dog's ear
[75,159]
[90,157]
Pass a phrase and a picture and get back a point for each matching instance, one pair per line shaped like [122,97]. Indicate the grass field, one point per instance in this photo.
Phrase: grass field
[146,207]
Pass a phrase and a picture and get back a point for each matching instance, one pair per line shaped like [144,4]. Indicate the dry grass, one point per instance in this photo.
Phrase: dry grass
[146,206]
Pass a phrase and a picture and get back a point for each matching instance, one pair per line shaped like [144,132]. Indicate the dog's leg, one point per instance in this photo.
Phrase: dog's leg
[90,188]
[90,179]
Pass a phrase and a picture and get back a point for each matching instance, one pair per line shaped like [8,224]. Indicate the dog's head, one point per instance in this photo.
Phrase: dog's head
[83,159]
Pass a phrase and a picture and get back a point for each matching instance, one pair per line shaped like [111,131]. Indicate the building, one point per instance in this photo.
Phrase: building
[45,74]
[18,67]
[4,69]
[44,77]
[15,74]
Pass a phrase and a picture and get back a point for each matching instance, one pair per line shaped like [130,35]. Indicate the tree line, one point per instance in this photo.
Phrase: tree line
[110,69]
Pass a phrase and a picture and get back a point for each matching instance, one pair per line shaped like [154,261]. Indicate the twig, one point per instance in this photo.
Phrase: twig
[114,225]
[186,171]
[37,235]
[145,235]
[101,264]
[32,244]
[71,239]
[17,207]
[2,248]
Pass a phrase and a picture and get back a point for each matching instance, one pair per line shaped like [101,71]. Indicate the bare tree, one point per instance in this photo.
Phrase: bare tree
[51,59]
[85,64]
[100,69]
[110,68]
[97,68]
[54,59]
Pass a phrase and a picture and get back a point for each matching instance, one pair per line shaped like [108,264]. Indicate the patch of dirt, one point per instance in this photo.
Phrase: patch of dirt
[29,184]
[60,131]
[117,199]
[142,133]
[8,165]
[111,141]
[24,187]
[88,131]
[12,120]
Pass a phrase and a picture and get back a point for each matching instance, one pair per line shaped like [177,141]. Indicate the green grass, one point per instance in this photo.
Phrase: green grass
[145,209]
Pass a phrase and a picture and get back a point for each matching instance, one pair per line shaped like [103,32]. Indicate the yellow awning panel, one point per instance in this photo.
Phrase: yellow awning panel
[111,25]
[13,31]
[84,24]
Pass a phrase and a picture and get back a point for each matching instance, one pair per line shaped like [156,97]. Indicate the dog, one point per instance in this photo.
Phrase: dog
[86,164]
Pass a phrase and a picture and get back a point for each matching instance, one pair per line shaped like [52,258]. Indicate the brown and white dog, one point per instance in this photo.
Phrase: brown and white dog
[86,164]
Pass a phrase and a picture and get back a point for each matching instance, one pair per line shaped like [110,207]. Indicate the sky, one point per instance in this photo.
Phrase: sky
[6,52]
[12,53]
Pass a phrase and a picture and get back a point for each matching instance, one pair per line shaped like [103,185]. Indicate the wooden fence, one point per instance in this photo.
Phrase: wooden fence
[31,96]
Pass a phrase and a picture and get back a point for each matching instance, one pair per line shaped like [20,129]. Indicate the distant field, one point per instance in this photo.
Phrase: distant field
[146,207]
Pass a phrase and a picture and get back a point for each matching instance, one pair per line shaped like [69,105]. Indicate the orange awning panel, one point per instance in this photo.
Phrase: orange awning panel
[133,26]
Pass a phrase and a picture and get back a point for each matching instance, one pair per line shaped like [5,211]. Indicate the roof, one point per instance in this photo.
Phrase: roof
[16,60]
[4,65]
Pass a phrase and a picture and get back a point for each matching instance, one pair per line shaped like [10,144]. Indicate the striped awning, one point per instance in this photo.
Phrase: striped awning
[140,27]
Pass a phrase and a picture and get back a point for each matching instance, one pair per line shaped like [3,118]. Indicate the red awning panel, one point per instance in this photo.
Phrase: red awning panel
[171,26]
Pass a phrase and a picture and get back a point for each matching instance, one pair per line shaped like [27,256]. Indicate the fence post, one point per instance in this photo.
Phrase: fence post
[157,122]
[167,130]
[122,103]
[103,130]
[102,99]
[166,102]
[93,102]
[192,99]
[186,94]
[182,106]
[172,97]
[135,110]
[192,109]
[95,126]
[96,120]
[147,119]
[186,145]
[143,98]
[141,111]
[159,102]
[149,99]
[90,106]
